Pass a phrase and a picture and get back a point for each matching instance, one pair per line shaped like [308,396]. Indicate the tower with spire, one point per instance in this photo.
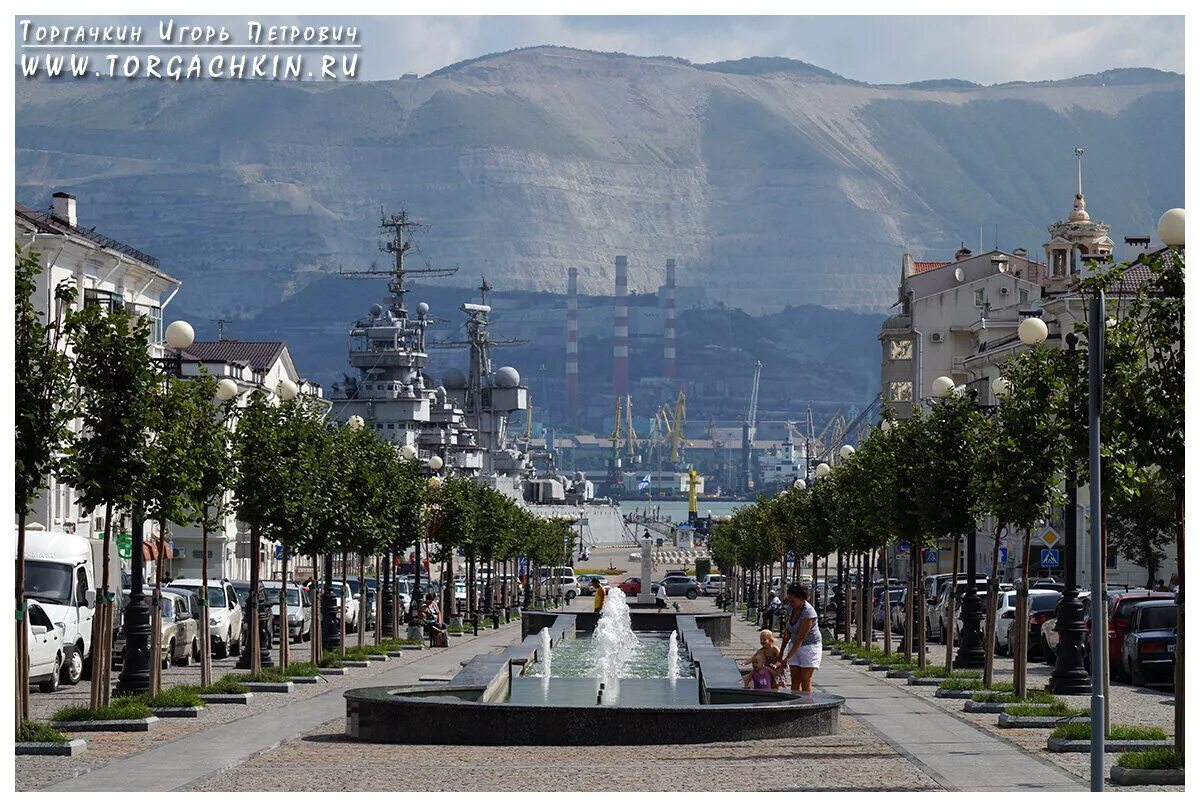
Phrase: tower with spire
[1069,240]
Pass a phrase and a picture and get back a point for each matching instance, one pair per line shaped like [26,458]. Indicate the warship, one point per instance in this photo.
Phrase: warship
[464,419]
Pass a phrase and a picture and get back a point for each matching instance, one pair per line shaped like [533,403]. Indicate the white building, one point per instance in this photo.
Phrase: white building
[104,272]
[959,319]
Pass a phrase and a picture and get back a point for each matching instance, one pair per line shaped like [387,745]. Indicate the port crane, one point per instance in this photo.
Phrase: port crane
[748,431]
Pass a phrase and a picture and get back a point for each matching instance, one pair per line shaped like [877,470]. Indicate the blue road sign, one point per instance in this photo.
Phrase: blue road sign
[1004,554]
[279,553]
[522,566]
[929,556]
[905,547]
[1049,559]
[791,556]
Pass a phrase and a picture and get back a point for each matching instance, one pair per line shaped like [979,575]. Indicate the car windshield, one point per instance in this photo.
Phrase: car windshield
[48,582]
[353,583]
[168,608]
[1160,617]
[402,586]
[216,595]
[293,595]
[1043,602]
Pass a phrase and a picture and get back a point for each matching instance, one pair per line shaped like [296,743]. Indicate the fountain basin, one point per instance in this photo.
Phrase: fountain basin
[457,715]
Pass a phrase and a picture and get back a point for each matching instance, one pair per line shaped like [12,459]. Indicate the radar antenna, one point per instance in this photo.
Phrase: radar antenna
[399,226]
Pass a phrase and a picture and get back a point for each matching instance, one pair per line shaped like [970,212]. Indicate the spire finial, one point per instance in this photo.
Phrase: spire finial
[1079,166]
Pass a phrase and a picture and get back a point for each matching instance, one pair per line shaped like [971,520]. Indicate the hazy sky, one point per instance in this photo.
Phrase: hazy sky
[875,49]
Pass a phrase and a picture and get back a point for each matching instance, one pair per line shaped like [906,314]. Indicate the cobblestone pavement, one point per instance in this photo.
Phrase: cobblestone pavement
[855,759]
[1129,705]
[33,773]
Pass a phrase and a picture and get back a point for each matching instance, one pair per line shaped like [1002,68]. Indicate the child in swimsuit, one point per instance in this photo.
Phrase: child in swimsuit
[759,677]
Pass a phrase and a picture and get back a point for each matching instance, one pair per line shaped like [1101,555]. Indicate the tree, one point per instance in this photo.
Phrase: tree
[43,411]
[107,464]
[1141,524]
[213,474]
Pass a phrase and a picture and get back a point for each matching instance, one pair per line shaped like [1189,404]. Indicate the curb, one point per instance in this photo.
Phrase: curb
[378,657]
[306,679]
[977,707]
[177,711]
[1061,746]
[953,693]
[353,663]
[228,697]
[916,681]
[898,674]
[879,668]
[1144,776]
[70,748]
[132,724]
[1007,721]
[332,670]
[268,686]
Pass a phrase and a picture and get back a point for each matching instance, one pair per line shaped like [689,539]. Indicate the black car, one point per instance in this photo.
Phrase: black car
[1149,650]
[1043,605]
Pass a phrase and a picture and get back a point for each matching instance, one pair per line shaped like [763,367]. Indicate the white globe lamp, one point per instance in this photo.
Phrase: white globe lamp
[286,389]
[1001,386]
[943,385]
[180,335]
[227,389]
[408,452]
[823,469]
[1032,331]
[1171,227]
[846,452]
[436,463]
[355,423]
[799,484]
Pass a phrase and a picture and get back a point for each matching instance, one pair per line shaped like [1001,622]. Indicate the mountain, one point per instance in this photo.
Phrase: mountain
[771,181]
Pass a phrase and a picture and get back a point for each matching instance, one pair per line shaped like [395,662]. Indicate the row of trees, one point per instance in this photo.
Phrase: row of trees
[936,474]
[135,442]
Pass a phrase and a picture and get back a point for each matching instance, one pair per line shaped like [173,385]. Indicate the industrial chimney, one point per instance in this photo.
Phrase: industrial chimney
[669,324]
[621,330]
[572,344]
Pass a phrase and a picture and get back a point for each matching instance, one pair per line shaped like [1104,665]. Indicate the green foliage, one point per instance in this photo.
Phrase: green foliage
[267,675]
[226,685]
[1057,709]
[30,731]
[1083,731]
[302,669]
[1156,759]
[946,499]
[330,661]
[1007,696]
[42,375]
[174,697]
[127,708]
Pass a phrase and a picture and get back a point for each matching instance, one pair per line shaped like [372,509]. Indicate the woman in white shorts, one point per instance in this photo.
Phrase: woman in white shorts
[804,639]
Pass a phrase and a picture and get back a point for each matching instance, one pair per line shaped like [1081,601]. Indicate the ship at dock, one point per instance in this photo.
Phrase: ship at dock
[466,417]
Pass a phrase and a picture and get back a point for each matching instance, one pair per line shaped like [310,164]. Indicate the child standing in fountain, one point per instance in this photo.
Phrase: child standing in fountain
[771,656]
[759,676]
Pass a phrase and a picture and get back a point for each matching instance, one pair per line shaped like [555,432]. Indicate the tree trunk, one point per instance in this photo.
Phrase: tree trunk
[885,602]
[100,655]
[951,600]
[989,633]
[345,603]
[919,601]
[380,616]
[22,647]
[284,630]
[315,607]
[205,635]
[910,604]
[364,610]
[1019,647]
[156,643]
[255,572]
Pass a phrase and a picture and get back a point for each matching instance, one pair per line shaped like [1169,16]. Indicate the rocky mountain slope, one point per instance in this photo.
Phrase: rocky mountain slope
[772,182]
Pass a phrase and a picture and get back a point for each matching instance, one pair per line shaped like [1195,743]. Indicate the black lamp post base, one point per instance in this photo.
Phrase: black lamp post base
[135,666]
[971,655]
[1070,676]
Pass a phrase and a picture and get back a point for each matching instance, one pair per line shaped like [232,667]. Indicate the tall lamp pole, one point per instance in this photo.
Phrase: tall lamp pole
[135,667]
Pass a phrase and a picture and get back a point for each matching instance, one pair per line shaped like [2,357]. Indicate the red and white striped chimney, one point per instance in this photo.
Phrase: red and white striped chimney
[572,343]
[621,330]
[669,324]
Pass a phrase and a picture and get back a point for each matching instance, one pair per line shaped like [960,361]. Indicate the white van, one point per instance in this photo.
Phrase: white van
[59,574]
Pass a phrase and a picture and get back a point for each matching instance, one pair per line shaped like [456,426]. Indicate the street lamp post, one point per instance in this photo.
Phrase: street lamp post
[135,667]
[1070,676]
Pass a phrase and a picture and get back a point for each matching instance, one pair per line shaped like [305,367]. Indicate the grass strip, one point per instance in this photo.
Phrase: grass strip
[1031,696]
[120,709]
[267,675]
[1083,731]
[225,685]
[1156,759]
[302,668]
[177,697]
[1059,709]
[31,731]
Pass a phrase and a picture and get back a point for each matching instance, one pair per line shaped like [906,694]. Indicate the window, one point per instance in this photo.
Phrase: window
[900,391]
[900,349]
[148,312]
[39,617]
[108,300]
[979,298]
[81,586]
[1024,295]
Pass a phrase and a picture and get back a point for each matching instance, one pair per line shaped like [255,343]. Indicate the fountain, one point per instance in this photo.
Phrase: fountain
[613,674]
[545,656]
[673,656]
[614,640]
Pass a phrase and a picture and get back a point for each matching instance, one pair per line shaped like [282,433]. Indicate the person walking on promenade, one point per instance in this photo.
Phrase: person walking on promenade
[803,654]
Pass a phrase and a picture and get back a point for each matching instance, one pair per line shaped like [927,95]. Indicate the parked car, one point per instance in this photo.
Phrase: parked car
[631,586]
[882,612]
[299,610]
[180,630]
[713,584]
[1120,609]
[683,573]
[1042,606]
[1006,612]
[568,586]
[1148,650]
[60,576]
[45,648]
[682,587]
[225,615]
[585,581]
[897,612]
[937,614]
